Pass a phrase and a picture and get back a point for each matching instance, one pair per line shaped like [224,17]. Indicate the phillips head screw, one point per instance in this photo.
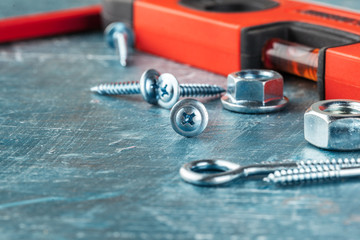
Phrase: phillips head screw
[120,37]
[159,89]
[189,117]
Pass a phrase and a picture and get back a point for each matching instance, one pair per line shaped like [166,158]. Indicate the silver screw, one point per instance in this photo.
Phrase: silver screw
[316,171]
[189,117]
[162,89]
[120,37]
[148,87]
[120,88]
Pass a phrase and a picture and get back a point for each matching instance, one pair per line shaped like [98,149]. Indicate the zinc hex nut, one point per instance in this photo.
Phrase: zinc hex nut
[333,124]
[254,91]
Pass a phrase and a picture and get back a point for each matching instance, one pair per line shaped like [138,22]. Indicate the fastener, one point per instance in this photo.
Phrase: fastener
[161,89]
[333,124]
[120,37]
[254,91]
[189,117]
[311,174]
[197,172]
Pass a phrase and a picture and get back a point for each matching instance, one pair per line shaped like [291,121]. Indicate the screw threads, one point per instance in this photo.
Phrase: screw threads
[338,162]
[200,90]
[119,88]
[304,174]
[313,170]
[160,89]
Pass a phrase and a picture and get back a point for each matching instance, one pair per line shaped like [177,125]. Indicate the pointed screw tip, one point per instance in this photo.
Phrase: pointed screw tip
[123,63]
[94,89]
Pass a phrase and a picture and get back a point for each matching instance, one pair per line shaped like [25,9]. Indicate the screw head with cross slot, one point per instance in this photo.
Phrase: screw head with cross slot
[189,117]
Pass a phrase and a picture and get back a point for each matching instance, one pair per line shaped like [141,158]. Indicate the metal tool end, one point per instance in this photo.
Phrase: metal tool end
[189,117]
[119,36]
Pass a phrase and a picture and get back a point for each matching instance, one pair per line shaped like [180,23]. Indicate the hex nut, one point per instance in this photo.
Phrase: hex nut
[254,91]
[333,124]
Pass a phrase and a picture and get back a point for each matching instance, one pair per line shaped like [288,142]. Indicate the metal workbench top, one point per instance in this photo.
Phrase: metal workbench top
[74,165]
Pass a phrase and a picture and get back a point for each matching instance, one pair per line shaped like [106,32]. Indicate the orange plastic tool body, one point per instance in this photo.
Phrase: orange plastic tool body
[343,66]
[50,23]
[212,40]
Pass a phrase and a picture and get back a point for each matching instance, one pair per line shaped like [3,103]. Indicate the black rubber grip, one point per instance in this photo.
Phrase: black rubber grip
[229,5]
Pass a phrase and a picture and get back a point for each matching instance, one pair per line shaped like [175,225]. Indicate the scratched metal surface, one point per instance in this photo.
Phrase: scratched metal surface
[74,165]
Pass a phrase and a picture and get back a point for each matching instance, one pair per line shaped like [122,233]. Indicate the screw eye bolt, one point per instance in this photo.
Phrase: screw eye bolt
[284,172]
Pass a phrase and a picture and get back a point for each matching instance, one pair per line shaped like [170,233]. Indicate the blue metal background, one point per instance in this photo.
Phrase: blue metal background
[74,165]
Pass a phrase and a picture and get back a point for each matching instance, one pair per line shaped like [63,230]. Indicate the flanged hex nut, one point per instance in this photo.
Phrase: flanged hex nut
[333,124]
[254,91]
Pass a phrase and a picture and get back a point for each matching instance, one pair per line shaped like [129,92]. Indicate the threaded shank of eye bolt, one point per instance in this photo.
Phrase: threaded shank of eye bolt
[346,162]
[119,88]
[304,174]
[200,90]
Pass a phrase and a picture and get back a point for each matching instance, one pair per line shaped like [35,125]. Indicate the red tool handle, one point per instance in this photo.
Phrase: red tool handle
[51,23]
